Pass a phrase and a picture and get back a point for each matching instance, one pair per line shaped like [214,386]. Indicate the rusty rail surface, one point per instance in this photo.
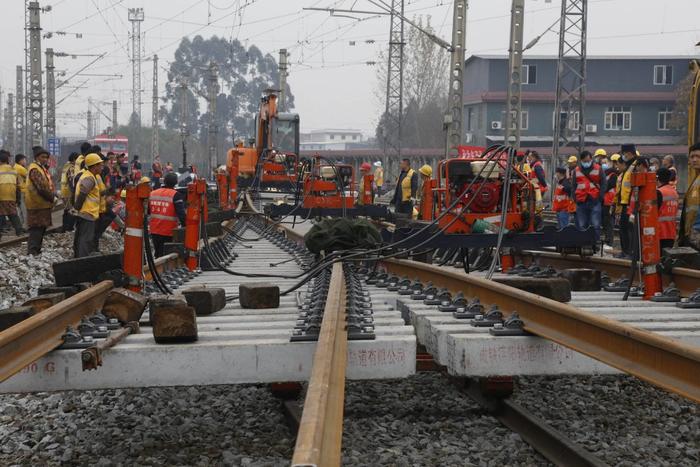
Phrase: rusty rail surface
[686,280]
[34,337]
[664,362]
[321,428]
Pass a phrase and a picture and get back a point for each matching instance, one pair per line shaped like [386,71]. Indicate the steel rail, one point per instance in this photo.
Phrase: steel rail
[659,360]
[37,335]
[686,280]
[321,429]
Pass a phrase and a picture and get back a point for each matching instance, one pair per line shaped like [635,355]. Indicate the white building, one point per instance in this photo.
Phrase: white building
[319,140]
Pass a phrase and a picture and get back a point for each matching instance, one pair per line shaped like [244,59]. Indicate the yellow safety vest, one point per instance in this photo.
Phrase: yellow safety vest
[103,194]
[379,177]
[8,183]
[91,206]
[65,175]
[691,205]
[34,199]
[360,191]
[22,173]
[406,186]
[624,186]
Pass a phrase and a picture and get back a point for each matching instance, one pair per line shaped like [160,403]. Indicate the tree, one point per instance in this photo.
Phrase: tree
[244,73]
[424,92]
[679,116]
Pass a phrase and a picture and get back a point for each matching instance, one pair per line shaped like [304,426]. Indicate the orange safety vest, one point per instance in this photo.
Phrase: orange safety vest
[561,201]
[163,218]
[533,176]
[587,185]
[668,212]
[609,197]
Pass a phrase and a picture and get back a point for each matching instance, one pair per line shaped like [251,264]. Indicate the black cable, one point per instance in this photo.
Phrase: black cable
[160,283]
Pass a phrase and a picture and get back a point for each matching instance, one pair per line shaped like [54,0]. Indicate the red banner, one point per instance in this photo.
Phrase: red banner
[470,152]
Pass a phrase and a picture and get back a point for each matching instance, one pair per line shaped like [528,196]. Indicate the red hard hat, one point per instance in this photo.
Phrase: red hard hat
[365,166]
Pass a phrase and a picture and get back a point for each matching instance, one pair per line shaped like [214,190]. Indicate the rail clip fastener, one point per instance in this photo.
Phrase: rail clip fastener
[670,294]
[513,326]
[691,302]
[492,317]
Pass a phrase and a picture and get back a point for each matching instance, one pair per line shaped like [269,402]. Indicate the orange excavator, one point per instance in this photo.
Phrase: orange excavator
[270,161]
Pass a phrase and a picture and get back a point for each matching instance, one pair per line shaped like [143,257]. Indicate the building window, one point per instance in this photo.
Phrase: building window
[332,136]
[524,120]
[618,117]
[663,75]
[665,119]
[529,74]
[342,137]
[573,120]
[354,137]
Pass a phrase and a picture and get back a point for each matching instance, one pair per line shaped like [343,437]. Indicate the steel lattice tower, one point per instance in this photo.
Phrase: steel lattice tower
[155,141]
[394,81]
[34,93]
[136,17]
[570,99]
[20,138]
[10,125]
[50,96]
[455,132]
[212,130]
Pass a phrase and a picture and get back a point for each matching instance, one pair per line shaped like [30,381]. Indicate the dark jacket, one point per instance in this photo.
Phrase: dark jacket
[414,187]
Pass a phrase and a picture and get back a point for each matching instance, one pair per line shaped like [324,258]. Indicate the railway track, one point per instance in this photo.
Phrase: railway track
[663,361]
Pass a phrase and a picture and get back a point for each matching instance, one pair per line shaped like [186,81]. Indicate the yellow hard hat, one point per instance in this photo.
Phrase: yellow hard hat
[615,157]
[92,159]
[426,170]
[637,153]
[600,152]
[123,194]
[145,180]
[573,159]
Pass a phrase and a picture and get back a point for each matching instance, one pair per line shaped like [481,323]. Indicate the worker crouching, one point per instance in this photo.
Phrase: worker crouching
[167,212]
[88,199]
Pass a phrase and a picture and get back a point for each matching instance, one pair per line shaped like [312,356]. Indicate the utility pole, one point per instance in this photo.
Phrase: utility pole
[24,108]
[515,67]
[394,81]
[184,131]
[20,110]
[136,17]
[114,119]
[455,132]
[90,129]
[10,125]
[283,67]
[50,96]
[35,104]
[213,130]
[570,99]
[155,141]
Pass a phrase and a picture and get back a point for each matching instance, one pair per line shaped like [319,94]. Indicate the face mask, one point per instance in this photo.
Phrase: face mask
[605,167]
[586,165]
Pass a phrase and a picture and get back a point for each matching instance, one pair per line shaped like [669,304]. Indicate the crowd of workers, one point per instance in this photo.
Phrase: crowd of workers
[93,191]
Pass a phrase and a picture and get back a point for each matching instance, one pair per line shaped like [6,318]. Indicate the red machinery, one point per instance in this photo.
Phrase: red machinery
[484,196]
[196,210]
[366,193]
[328,186]
[136,201]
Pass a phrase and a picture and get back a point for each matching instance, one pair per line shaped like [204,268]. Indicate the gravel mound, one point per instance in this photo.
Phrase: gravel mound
[21,275]
[620,419]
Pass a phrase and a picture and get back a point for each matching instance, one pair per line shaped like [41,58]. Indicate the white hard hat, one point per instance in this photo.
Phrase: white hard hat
[378,164]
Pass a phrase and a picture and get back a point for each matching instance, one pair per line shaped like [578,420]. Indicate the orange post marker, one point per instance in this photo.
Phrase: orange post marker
[367,192]
[427,200]
[196,211]
[136,199]
[222,187]
[649,225]
[233,181]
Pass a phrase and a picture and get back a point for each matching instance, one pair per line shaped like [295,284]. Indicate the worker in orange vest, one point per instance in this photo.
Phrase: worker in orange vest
[562,204]
[365,193]
[668,211]
[589,192]
[167,211]
[537,170]
[609,198]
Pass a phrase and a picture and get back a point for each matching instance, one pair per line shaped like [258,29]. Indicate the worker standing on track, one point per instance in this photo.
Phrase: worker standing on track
[668,162]
[87,203]
[10,192]
[21,169]
[668,210]
[689,230]
[406,188]
[609,198]
[365,168]
[425,212]
[589,192]
[379,177]
[67,175]
[562,204]
[40,199]
[623,197]
[167,211]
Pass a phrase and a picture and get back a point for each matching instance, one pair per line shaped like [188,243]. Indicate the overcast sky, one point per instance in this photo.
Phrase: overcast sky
[333,86]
